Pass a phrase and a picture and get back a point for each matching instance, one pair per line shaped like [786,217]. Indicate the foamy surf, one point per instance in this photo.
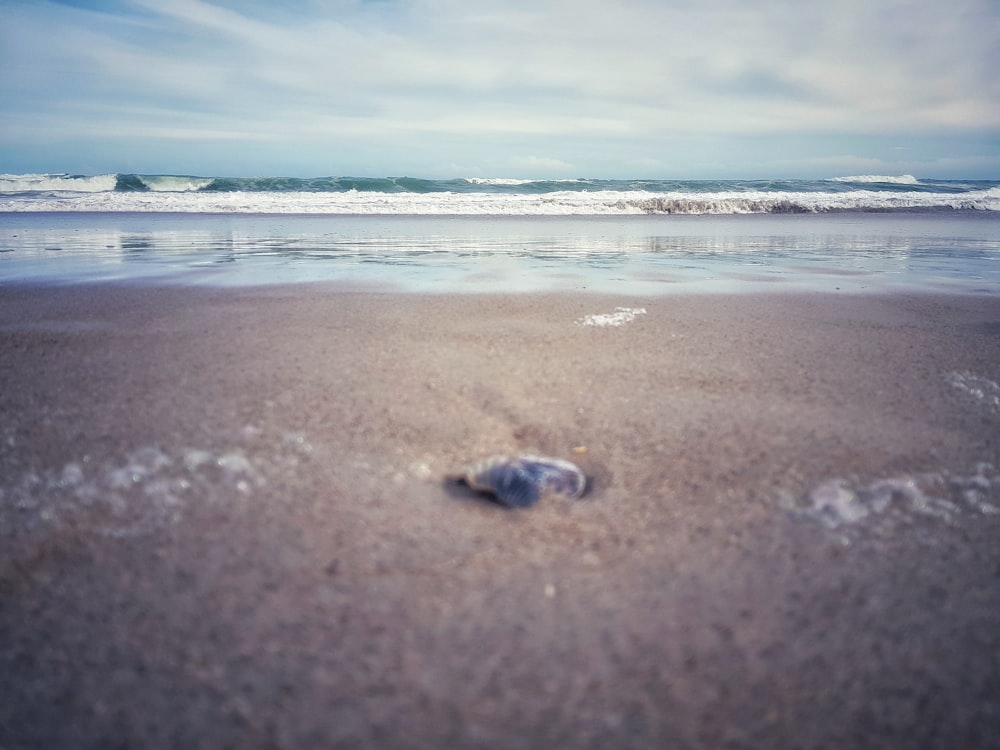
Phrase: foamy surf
[905,179]
[486,196]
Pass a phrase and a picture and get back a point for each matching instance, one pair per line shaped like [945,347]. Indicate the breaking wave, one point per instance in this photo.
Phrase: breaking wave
[904,179]
[485,196]
[37,183]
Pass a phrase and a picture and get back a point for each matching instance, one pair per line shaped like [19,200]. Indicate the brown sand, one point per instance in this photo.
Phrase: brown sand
[223,522]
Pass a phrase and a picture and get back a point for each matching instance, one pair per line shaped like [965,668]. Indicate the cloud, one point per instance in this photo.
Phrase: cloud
[488,81]
[535,164]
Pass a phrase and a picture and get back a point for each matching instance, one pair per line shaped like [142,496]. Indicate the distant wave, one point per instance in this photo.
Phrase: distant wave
[565,203]
[162,183]
[903,179]
[103,183]
[509,181]
[30,183]
[810,202]
[496,181]
[486,196]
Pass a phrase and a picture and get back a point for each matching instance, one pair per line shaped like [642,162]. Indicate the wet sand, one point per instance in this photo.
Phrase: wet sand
[223,521]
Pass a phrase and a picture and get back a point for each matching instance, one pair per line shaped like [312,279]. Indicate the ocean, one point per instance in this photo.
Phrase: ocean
[856,233]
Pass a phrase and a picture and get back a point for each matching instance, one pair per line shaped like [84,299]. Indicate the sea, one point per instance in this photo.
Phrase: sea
[641,236]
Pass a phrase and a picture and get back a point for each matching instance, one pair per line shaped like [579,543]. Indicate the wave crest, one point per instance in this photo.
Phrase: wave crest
[484,196]
[903,179]
[52,183]
[734,205]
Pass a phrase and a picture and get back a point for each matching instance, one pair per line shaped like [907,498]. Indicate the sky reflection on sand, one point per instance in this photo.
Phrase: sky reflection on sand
[454,254]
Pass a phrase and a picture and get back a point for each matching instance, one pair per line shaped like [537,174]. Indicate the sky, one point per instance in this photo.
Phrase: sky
[704,89]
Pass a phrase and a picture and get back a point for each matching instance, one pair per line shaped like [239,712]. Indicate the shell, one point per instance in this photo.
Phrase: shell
[520,481]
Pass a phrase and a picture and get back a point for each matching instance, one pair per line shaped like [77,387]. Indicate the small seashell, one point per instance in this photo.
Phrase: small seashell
[520,481]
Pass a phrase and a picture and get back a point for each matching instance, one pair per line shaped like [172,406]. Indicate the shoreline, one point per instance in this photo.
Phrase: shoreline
[225,519]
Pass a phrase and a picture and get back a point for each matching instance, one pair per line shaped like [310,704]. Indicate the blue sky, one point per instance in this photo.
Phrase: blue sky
[510,88]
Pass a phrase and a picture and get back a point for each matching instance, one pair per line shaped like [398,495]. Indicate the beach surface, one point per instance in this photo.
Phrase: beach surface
[225,519]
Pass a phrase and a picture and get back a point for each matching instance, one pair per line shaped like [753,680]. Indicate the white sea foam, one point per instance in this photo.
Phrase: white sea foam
[23,183]
[146,490]
[513,180]
[497,196]
[844,505]
[104,183]
[497,181]
[982,391]
[619,317]
[174,184]
[903,179]
[558,203]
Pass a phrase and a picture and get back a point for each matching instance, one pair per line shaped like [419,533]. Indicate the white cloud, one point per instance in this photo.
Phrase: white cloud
[539,164]
[498,78]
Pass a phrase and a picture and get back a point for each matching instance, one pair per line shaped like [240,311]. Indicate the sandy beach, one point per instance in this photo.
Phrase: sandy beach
[224,520]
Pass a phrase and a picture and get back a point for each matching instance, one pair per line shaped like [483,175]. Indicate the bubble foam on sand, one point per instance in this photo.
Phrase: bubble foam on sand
[841,505]
[619,317]
[146,490]
[982,391]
